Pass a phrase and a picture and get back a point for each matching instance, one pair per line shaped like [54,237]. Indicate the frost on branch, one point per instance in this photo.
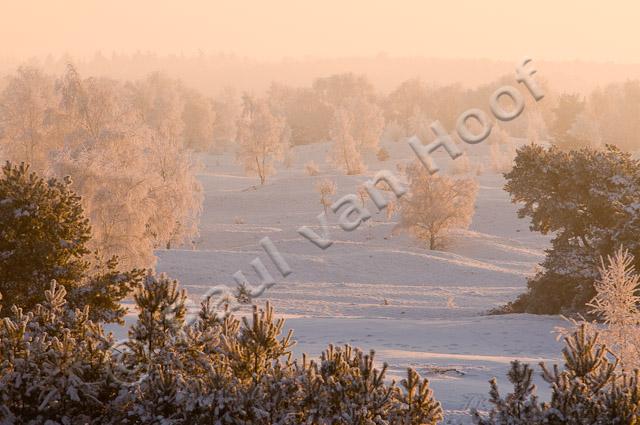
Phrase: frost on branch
[262,138]
[587,390]
[125,147]
[60,367]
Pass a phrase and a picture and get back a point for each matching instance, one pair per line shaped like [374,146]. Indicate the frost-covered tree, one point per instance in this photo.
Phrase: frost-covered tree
[418,124]
[306,112]
[312,168]
[568,108]
[587,390]
[129,164]
[252,351]
[617,303]
[326,189]
[408,105]
[502,150]
[227,109]
[45,237]
[393,132]
[198,118]
[57,365]
[586,127]
[123,146]
[227,371]
[363,194]
[382,155]
[536,129]
[54,364]
[348,389]
[356,128]
[158,102]
[262,138]
[162,314]
[344,151]
[413,102]
[435,204]
[28,115]
[462,165]
[612,114]
[337,89]
[589,200]
[356,122]
[176,195]
[367,123]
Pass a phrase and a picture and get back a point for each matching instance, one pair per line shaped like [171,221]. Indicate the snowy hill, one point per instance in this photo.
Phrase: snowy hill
[372,289]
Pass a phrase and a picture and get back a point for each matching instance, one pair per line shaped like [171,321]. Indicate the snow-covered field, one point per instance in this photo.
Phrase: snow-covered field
[372,289]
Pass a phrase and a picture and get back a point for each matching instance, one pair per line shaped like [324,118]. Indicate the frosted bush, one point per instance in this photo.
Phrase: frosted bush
[326,189]
[382,155]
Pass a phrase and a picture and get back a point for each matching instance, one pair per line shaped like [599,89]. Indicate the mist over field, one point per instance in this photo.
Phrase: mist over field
[319,213]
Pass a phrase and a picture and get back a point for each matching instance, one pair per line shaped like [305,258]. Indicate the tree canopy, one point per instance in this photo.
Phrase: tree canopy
[589,200]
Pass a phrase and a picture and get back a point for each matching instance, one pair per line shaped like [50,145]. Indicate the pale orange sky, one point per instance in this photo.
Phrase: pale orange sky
[494,29]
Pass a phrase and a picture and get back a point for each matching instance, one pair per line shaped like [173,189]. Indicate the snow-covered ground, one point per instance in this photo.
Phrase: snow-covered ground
[415,307]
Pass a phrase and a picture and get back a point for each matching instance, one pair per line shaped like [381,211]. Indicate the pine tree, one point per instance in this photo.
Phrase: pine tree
[418,406]
[44,235]
[588,390]
[58,366]
[252,351]
[54,364]
[616,304]
[588,199]
[162,313]
[44,238]
[521,407]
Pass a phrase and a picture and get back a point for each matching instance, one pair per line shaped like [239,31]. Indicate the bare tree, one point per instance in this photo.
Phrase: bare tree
[262,138]
[435,204]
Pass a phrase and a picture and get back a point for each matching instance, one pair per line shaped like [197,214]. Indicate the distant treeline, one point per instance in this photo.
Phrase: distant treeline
[209,73]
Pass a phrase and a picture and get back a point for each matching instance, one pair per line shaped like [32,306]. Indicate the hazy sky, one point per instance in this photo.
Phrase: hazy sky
[272,29]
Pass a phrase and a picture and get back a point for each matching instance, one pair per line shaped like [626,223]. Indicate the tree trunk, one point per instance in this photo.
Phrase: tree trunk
[260,172]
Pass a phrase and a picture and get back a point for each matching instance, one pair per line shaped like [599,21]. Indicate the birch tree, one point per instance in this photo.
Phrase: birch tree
[435,204]
[27,112]
[344,153]
[262,138]
[121,143]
